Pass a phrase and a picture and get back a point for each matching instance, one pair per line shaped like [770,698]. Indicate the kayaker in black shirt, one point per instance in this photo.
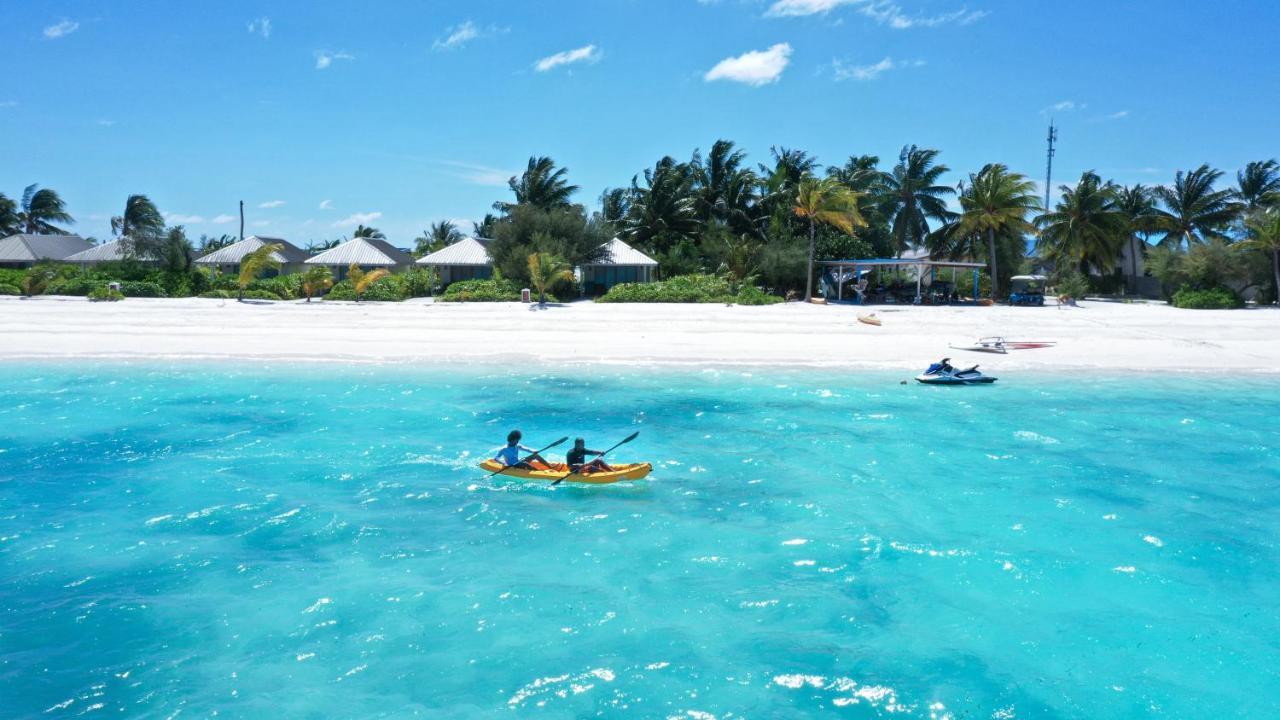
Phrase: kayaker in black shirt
[576,459]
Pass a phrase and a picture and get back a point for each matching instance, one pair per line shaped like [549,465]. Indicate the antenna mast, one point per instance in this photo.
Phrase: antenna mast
[1048,174]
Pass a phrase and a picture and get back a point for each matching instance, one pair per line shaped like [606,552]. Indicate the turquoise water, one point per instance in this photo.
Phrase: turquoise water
[265,540]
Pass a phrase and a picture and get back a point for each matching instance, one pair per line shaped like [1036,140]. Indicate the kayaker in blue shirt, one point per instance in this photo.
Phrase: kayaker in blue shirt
[576,459]
[510,455]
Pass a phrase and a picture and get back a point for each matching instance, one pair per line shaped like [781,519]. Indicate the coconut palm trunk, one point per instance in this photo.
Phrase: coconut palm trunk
[1275,268]
[808,280]
[991,253]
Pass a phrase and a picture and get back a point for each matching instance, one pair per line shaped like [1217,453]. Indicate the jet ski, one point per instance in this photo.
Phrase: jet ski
[942,373]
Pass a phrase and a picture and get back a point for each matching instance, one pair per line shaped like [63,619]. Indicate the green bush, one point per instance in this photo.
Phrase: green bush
[688,289]
[1218,298]
[481,291]
[105,293]
[223,294]
[259,295]
[9,276]
[78,286]
[1072,285]
[144,289]
[285,287]
[420,282]
[388,289]
[7,289]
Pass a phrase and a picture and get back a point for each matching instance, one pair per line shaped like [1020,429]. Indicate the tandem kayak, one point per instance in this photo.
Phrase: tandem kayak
[634,471]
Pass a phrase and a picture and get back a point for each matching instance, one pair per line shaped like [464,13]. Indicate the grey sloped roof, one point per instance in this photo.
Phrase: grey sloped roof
[617,252]
[34,248]
[235,252]
[106,252]
[363,251]
[467,251]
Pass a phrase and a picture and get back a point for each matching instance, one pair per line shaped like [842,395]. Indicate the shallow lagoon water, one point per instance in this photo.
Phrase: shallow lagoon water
[250,540]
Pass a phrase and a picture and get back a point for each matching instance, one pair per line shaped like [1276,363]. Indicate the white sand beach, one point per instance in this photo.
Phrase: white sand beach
[1109,336]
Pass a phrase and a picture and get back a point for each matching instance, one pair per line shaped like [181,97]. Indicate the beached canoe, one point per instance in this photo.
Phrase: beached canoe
[634,471]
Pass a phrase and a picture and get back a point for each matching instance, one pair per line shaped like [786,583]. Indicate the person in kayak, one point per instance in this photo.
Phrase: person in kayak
[576,459]
[509,456]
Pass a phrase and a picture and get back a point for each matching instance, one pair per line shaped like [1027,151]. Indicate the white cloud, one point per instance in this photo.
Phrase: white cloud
[479,174]
[66,27]
[8,103]
[271,204]
[357,219]
[104,122]
[884,12]
[260,26]
[758,67]
[589,54]
[1118,115]
[326,204]
[182,219]
[324,58]
[843,71]
[458,36]
[887,13]
[800,8]
[260,223]
[1064,106]
[223,219]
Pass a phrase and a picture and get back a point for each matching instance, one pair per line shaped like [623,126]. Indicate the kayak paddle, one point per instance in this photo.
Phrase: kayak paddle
[535,452]
[630,437]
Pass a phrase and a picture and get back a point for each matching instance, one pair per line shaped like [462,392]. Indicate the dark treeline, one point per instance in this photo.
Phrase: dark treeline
[764,223]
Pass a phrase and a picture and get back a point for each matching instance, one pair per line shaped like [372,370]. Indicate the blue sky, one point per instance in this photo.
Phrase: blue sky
[323,114]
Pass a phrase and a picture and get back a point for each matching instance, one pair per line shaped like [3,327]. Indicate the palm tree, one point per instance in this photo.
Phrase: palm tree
[829,202]
[615,203]
[257,262]
[913,196]
[40,209]
[315,279]
[139,227]
[1087,228]
[994,202]
[542,185]
[545,269]
[176,252]
[663,212]
[440,236]
[361,280]
[1138,204]
[9,222]
[725,190]
[1263,227]
[1193,211]
[368,232]
[486,226]
[1258,185]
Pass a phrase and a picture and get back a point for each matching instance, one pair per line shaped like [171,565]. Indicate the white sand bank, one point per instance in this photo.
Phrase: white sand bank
[1109,336]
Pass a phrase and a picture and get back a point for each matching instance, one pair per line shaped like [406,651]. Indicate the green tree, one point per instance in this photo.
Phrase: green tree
[1258,185]
[1086,229]
[1138,204]
[725,190]
[9,222]
[41,208]
[913,196]
[562,231]
[372,233]
[542,185]
[546,269]
[140,228]
[663,212]
[316,279]
[440,236]
[995,202]
[829,202]
[1193,211]
[484,228]
[1263,227]
[176,252]
[253,265]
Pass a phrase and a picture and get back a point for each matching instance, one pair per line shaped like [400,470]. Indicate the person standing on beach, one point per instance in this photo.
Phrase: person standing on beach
[509,455]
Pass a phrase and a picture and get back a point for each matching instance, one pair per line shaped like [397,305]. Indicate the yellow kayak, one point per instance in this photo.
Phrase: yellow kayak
[555,471]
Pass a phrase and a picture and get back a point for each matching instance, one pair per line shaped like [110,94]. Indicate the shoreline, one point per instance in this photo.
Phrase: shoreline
[1112,338]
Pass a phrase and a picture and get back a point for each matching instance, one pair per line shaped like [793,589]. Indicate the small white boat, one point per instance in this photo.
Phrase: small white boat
[1003,346]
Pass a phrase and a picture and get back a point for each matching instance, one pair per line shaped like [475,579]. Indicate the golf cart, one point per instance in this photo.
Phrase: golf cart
[1027,290]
